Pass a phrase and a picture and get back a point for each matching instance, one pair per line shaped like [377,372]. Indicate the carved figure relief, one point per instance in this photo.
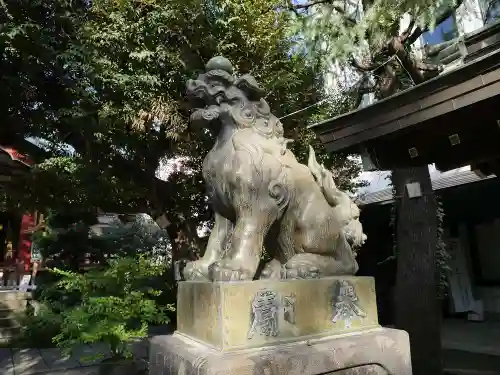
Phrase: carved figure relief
[261,194]
[289,307]
[264,315]
[345,303]
[268,310]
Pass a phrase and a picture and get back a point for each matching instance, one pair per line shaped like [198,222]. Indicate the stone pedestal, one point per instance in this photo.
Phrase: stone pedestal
[380,351]
[317,326]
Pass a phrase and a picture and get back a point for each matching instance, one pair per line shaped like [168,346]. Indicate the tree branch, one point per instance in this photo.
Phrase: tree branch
[318,2]
[369,67]
[296,7]
[439,19]
[311,4]
[6,10]
[389,83]
[406,34]
[362,67]
[435,49]
[426,67]
[365,86]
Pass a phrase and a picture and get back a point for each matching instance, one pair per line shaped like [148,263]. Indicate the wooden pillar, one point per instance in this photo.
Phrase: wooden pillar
[417,308]
[36,258]
[28,222]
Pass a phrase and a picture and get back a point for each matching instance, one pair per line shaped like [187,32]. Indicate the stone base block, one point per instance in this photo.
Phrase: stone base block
[380,351]
[253,314]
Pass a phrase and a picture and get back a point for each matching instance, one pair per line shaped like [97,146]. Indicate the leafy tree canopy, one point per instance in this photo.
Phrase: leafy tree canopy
[367,36]
[107,78]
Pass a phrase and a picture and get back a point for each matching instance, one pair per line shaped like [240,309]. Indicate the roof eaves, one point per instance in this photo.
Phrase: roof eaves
[443,182]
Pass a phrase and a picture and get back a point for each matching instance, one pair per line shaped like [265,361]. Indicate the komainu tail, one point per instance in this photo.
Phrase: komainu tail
[324,179]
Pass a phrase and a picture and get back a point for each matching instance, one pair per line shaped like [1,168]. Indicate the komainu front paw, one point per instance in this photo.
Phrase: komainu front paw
[225,271]
[298,268]
[301,272]
[272,271]
[196,271]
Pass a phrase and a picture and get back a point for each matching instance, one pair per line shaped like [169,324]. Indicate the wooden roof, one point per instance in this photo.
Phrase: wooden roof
[458,99]
[16,158]
[476,81]
[385,195]
[12,163]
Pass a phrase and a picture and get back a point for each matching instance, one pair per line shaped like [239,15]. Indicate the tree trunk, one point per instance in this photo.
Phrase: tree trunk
[416,306]
[184,240]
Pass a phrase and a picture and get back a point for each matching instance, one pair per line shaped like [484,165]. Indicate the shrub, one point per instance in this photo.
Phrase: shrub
[37,330]
[116,298]
[116,307]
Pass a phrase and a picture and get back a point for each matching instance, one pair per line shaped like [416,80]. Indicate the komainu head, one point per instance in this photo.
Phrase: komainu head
[220,98]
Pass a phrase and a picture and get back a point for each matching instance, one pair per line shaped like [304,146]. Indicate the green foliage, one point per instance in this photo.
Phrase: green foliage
[139,236]
[69,238]
[117,73]
[130,264]
[116,305]
[67,182]
[35,84]
[69,243]
[37,330]
[65,241]
[366,38]
[334,31]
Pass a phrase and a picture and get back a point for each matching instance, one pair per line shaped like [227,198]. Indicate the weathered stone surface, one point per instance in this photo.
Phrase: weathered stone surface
[376,352]
[6,363]
[56,360]
[28,361]
[261,194]
[229,316]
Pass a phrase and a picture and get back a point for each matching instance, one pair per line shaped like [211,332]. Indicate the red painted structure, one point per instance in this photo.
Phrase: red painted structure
[24,246]
[16,156]
[13,163]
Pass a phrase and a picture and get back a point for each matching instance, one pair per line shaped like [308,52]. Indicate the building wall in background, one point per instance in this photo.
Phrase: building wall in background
[488,245]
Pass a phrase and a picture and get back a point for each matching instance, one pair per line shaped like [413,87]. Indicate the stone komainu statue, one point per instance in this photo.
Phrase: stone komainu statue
[262,196]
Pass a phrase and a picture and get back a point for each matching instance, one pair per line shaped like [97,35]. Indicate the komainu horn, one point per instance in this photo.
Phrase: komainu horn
[261,195]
